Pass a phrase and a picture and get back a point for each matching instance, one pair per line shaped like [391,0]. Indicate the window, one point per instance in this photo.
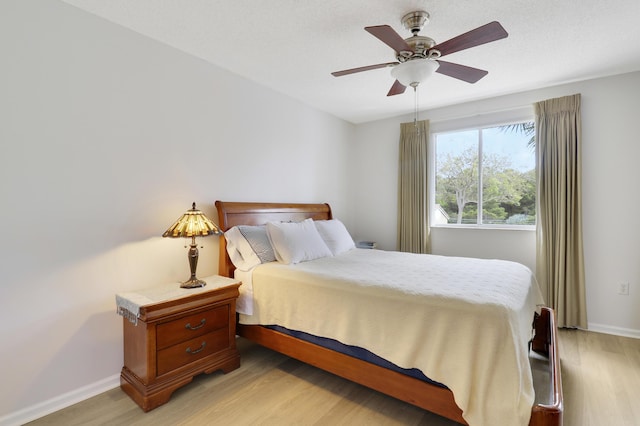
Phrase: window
[486,176]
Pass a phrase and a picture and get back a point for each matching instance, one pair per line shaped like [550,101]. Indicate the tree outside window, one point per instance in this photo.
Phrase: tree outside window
[486,176]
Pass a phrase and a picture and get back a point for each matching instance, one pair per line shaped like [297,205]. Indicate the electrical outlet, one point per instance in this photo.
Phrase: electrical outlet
[623,288]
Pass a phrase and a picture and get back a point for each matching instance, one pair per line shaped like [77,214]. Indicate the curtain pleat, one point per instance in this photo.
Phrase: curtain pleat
[413,206]
[559,260]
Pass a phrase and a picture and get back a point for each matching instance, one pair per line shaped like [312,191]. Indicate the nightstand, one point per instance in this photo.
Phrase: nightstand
[172,334]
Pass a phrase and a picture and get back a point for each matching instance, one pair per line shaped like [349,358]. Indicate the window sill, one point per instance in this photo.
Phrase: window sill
[529,228]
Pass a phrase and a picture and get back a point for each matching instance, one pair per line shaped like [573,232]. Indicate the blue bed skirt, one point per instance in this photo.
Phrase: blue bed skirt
[354,351]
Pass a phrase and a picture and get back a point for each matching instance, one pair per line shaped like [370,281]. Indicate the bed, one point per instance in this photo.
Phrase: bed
[542,369]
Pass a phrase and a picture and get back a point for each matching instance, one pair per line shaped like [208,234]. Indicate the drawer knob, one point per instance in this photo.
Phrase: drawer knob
[190,327]
[195,351]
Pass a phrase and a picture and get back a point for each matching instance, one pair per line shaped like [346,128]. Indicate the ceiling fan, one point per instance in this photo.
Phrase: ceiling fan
[418,56]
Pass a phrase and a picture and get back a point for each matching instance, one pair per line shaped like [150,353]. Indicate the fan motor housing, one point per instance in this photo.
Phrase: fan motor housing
[420,46]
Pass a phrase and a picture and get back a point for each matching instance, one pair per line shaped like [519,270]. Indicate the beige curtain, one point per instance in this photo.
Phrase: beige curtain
[560,263]
[413,197]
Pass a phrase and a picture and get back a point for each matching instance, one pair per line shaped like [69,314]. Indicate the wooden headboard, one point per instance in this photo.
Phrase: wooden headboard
[231,214]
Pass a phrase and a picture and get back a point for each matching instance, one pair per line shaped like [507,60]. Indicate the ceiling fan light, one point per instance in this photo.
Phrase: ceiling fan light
[415,71]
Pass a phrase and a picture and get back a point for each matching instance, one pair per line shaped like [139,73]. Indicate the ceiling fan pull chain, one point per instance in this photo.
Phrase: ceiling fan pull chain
[415,110]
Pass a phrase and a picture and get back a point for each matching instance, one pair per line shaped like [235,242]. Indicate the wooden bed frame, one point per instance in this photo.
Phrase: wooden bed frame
[548,407]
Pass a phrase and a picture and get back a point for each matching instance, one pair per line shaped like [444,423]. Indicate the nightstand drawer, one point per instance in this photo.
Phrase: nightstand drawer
[199,347]
[188,327]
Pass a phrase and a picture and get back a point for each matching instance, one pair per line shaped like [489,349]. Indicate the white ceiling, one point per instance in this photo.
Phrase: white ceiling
[292,46]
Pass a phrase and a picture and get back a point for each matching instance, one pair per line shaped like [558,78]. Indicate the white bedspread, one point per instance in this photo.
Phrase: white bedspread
[463,322]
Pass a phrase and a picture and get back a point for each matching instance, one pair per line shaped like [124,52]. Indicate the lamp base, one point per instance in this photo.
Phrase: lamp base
[193,283]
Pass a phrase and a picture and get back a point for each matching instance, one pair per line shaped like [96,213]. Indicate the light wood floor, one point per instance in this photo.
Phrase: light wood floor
[600,373]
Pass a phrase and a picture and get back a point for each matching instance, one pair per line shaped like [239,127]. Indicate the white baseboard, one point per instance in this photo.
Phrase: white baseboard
[618,331]
[58,403]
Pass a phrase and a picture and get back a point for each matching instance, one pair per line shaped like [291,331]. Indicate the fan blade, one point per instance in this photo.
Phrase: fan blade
[360,69]
[461,72]
[397,89]
[485,34]
[390,37]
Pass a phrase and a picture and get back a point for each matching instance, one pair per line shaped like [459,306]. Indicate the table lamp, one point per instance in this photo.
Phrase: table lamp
[192,224]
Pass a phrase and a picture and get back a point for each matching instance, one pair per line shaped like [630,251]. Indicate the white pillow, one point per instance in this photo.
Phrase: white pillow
[249,246]
[295,242]
[335,236]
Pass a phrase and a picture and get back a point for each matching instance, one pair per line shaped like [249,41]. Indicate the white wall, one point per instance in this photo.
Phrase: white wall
[515,245]
[611,148]
[107,137]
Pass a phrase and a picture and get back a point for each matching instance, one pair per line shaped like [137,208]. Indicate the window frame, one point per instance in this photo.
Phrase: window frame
[468,123]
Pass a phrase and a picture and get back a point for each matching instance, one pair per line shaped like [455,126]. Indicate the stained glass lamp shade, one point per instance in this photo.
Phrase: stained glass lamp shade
[192,224]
